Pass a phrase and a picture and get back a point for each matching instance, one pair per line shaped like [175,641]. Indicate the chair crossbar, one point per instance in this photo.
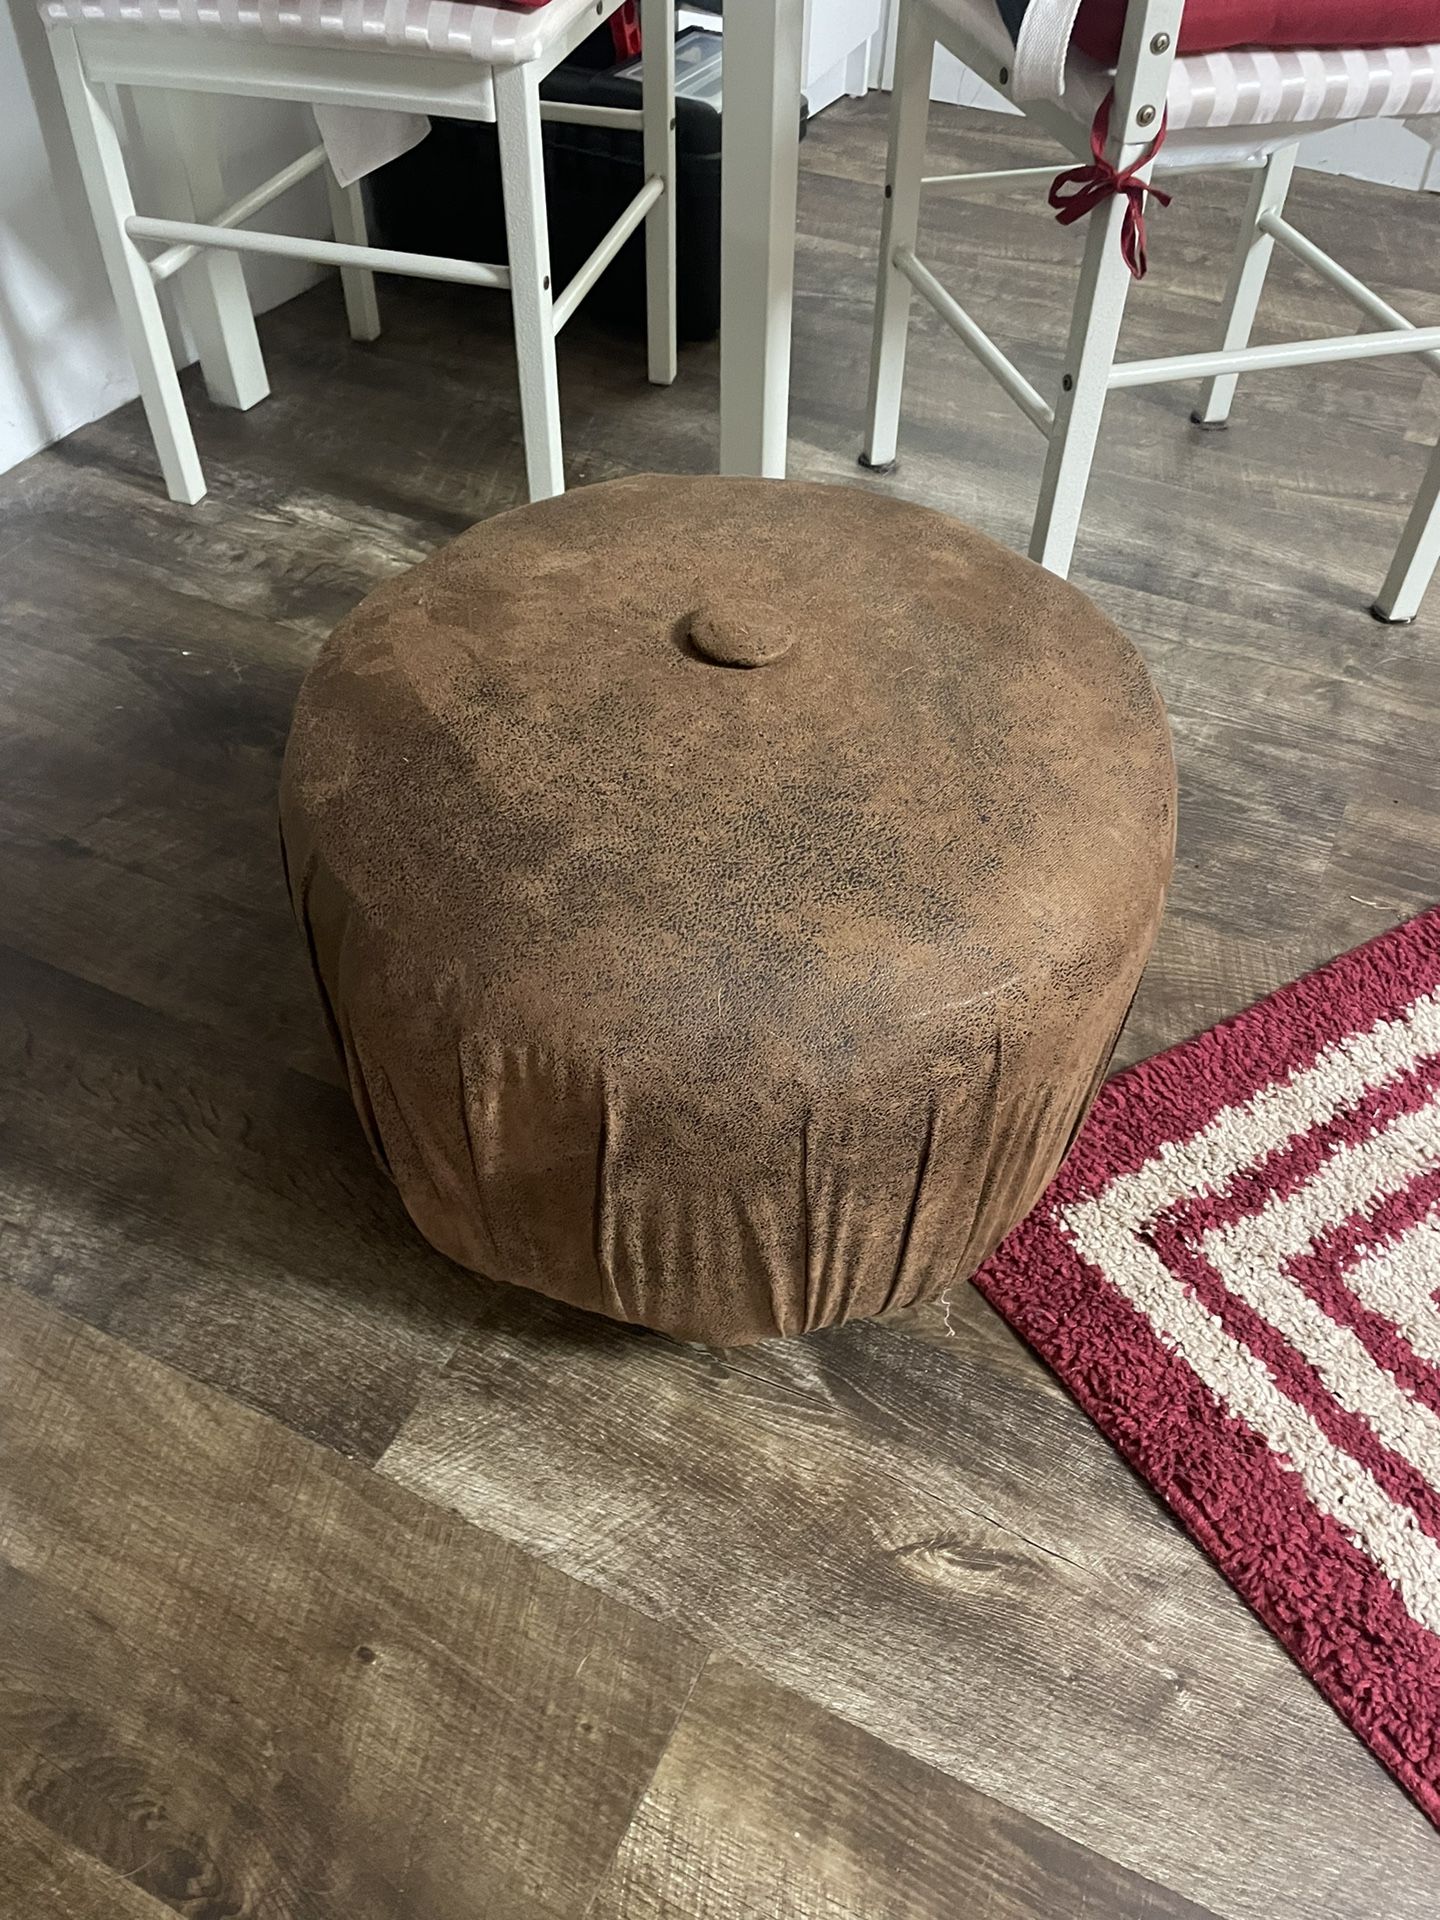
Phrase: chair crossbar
[1401,336]
[575,113]
[995,361]
[1355,290]
[224,232]
[1004,174]
[1287,353]
[329,253]
[982,179]
[243,209]
[586,276]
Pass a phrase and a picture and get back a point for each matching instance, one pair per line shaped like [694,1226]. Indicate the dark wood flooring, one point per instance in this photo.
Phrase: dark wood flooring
[338,1585]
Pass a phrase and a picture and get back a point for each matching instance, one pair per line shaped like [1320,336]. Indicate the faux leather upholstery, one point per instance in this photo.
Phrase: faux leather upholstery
[731,999]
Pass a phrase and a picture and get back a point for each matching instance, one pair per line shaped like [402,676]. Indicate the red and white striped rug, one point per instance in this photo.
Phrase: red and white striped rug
[1237,1275]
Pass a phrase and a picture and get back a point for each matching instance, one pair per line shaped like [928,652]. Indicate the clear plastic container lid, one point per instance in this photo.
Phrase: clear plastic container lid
[697,66]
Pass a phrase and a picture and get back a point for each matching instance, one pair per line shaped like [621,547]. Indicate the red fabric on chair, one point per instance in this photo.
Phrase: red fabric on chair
[624,25]
[1080,190]
[1211,26]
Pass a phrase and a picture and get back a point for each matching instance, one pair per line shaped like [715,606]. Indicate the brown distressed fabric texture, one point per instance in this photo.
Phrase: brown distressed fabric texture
[734,1000]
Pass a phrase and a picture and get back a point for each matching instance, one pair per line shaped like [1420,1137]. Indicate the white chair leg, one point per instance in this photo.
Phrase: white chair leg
[1417,555]
[905,162]
[522,176]
[1247,280]
[1089,356]
[181,157]
[347,223]
[102,168]
[657,27]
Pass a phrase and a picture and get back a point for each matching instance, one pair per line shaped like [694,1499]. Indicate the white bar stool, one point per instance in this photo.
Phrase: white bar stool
[1245,110]
[414,56]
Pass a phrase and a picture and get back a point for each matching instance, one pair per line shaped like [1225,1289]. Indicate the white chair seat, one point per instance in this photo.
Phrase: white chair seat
[498,36]
[1215,94]
[1304,86]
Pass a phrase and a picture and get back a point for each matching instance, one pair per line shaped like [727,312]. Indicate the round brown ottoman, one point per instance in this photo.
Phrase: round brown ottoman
[726,893]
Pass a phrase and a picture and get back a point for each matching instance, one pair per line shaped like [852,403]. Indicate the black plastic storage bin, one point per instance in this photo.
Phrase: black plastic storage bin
[443,197]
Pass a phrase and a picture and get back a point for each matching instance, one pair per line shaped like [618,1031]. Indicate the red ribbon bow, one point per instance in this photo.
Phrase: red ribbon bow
[1080,190]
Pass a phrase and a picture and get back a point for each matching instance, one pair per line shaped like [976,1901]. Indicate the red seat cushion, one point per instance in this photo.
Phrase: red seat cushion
[1209,26]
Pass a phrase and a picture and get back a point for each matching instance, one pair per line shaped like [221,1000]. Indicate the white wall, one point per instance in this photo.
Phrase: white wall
[1400,155]
[62,363]
[838,36]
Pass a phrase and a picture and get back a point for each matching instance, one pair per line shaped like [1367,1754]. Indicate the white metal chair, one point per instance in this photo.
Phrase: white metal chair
[413,56]
[1237,110]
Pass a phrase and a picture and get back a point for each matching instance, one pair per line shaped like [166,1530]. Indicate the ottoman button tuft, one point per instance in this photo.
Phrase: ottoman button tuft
[739,634]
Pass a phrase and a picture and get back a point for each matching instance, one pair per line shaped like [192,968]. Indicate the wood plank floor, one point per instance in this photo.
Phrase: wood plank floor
[336,1584]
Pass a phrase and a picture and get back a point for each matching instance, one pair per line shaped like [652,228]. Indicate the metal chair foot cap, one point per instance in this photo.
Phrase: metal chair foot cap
[1208,426]
[874,466]
[1389,619]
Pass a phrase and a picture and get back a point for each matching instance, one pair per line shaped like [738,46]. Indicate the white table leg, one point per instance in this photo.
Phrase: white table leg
[759,169]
